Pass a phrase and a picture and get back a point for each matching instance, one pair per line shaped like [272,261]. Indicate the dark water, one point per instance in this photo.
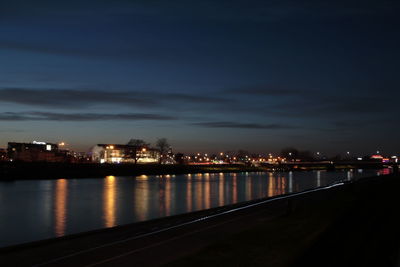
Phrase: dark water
[39,209]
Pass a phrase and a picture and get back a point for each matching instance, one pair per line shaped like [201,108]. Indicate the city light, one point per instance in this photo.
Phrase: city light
[38,143]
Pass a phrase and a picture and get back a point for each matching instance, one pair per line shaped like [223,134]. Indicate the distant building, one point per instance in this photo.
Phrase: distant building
[3,155]
[168,158]
[35,152]
[114,153]
[377,158]
[81,157]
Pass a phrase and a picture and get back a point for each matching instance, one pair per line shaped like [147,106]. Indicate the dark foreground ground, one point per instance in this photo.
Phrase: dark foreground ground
[350,225]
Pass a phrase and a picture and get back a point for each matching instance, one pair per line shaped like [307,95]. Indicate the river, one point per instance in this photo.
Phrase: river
[39,209]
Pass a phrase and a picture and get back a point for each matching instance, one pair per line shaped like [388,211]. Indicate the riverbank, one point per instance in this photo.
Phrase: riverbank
[354,222]
[43,170]
[358,226]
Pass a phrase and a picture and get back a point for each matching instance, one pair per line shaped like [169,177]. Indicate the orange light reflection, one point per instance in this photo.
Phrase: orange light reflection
[60,212]
[109,206]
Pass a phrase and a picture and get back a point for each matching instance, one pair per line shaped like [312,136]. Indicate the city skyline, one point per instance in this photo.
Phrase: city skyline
[210,76]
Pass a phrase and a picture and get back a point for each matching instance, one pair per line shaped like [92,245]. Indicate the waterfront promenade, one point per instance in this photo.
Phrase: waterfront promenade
[351,223]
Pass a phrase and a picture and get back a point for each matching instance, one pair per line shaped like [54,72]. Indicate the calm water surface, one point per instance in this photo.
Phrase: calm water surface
[39,209]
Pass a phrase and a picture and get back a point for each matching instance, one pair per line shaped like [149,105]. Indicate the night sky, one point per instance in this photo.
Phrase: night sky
[209,76]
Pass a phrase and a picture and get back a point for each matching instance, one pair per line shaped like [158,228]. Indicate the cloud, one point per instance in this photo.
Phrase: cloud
[268,91]
[8,130]
[42,48]
[83,98]
[51,116]
[229,124]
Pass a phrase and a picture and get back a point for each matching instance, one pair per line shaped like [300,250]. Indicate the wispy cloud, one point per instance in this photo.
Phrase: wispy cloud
[273,91]
[51,116]
[83,98]
[239,125]
[8,130]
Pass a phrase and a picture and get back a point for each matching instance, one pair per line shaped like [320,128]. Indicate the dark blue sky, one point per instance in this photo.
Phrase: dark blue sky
[209,76]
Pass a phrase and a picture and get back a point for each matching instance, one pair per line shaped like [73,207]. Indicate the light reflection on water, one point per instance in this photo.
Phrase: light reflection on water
[60,206]
[109,205]
[86,204]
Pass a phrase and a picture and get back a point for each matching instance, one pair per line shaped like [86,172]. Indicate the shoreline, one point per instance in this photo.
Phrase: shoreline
[43,170]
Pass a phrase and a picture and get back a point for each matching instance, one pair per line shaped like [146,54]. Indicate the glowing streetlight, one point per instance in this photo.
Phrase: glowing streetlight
[144,149]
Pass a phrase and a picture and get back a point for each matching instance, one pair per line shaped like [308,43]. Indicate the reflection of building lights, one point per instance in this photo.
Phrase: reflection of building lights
[109,205]
[60,211]
[143,177]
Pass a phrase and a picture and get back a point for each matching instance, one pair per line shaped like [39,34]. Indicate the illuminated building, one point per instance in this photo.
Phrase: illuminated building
[114,153]
[378,158]
[35,151]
